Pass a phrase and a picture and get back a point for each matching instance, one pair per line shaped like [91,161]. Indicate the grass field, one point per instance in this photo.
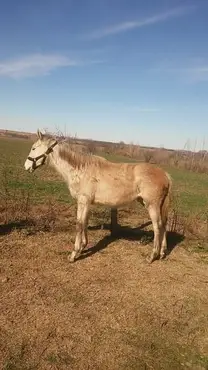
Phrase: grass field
[109,310]
[190,188]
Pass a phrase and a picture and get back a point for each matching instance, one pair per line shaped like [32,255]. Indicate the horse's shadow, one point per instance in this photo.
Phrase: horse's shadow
[128,233]
[16,225]
[30,226]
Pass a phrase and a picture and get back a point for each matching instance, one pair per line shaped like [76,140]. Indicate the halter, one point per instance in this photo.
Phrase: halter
[44,156]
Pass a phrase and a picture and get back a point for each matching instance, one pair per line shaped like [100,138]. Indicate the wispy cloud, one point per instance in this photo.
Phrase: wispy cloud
[191,70]
[129,25]
[38,64]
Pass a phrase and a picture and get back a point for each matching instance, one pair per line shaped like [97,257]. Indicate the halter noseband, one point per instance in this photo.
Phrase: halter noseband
[44,156]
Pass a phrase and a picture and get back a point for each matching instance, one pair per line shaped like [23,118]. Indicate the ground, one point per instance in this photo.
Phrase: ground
[108,310]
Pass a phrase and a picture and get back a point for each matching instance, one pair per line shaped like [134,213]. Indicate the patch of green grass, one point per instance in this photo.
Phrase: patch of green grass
[13,177]
[190,189]
[42,189]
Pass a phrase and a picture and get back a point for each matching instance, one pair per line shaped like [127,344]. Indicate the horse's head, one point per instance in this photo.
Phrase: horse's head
[39,152]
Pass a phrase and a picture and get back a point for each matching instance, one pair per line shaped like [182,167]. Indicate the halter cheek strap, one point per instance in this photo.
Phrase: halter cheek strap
[44,156]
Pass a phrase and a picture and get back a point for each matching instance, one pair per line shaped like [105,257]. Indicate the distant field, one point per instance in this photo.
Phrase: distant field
[190,189]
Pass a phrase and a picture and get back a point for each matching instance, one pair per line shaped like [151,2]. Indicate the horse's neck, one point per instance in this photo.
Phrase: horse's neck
[66,169]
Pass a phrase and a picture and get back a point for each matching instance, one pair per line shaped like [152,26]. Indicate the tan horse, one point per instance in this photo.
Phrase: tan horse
[94,180]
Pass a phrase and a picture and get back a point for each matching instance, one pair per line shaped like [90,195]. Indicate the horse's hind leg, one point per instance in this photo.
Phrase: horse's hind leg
[81,228]
[164,242]
[155,216]
[114,222]
[164,214]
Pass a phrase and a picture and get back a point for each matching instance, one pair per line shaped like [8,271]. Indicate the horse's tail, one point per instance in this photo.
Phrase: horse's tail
[166,201]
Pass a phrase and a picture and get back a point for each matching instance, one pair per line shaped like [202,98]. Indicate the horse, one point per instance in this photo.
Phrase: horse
[92,180]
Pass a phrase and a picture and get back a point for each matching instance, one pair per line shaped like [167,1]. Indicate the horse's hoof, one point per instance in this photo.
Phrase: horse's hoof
[70,259]
[149,260]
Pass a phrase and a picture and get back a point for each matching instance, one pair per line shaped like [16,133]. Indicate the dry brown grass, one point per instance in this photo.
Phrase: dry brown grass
[184,159]
[109,310]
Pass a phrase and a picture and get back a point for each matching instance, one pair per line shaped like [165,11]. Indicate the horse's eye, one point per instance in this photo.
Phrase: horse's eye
[33,148]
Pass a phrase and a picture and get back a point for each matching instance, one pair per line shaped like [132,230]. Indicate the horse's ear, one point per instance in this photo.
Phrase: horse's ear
[39,134]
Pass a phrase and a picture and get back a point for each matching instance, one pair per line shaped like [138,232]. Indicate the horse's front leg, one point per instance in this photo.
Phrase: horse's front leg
[84,234]
[81,227]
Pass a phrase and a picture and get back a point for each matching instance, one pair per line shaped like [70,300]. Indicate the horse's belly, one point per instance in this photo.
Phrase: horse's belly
[114,196]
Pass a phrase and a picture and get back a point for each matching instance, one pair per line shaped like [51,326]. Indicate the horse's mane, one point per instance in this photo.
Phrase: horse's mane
[77,159]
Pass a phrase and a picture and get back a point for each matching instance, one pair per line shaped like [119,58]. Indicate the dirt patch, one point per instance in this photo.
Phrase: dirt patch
[109,310]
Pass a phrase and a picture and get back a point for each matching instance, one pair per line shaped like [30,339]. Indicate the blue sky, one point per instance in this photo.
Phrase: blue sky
[129,70]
